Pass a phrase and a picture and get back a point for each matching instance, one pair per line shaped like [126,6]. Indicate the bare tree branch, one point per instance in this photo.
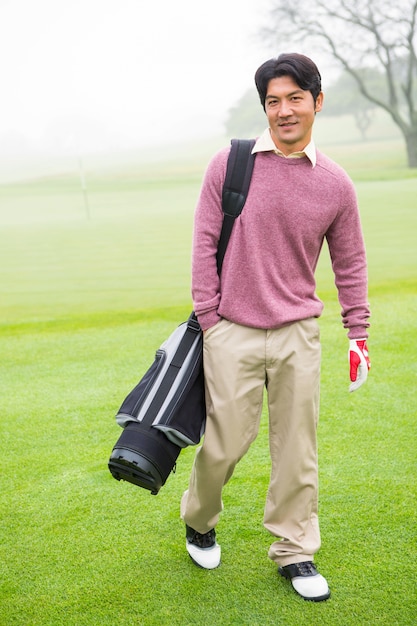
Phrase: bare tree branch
[378,34]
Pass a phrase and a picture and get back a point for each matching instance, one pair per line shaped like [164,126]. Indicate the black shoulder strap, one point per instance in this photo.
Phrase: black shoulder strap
[235,189]
[238,176]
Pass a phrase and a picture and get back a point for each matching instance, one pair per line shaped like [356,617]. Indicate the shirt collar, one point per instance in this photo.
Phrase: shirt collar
[265,143]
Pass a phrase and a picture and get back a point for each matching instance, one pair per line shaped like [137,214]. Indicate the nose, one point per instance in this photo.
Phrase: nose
[285,109]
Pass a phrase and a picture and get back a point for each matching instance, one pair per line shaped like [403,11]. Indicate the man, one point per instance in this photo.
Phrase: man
[259,321]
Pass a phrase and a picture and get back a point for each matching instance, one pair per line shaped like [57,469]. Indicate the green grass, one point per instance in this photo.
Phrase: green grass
[84,304]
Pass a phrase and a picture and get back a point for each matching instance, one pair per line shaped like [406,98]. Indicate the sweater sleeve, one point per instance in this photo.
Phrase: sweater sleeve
[208,218]
[347,252]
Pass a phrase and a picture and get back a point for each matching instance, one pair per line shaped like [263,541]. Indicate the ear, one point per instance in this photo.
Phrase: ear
[319,102]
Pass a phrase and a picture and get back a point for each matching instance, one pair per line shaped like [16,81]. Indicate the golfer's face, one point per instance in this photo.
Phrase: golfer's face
[290,112]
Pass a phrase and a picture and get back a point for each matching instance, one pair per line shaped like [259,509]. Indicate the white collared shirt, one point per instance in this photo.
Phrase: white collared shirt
[265,143]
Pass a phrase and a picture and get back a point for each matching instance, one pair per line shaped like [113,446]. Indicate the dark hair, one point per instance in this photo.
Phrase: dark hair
[301,69]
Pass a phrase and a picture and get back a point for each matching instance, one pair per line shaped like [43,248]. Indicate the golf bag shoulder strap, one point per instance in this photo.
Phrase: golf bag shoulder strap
[238,176]
[235,189]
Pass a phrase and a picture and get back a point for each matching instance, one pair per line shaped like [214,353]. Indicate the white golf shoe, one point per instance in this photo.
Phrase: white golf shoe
[306,580]
[203,548]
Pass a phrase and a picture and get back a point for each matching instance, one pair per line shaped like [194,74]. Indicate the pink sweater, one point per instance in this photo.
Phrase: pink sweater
[267,279]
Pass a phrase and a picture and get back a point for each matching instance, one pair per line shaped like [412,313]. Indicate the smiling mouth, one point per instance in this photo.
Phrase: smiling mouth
[287,124]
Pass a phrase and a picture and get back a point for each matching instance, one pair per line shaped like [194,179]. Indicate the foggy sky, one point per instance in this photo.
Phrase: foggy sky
[115,74]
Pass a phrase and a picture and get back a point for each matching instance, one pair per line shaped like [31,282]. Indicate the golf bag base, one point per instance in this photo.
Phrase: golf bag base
[143,456]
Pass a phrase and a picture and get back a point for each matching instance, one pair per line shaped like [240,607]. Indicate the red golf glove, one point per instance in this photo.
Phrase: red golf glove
[359,363]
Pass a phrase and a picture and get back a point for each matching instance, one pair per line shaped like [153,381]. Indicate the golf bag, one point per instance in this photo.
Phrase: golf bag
[166,410]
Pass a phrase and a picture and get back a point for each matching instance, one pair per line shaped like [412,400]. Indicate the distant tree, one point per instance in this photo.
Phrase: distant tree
[344,98]
[247,118]
[378,34]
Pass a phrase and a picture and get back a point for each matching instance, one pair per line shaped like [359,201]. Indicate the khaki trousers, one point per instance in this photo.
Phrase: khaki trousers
[239,362]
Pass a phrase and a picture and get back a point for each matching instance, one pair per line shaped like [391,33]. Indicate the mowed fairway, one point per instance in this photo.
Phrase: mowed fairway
[87,294]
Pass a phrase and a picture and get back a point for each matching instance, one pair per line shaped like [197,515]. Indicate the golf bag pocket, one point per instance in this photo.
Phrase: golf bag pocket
[143,456]
[170,396]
